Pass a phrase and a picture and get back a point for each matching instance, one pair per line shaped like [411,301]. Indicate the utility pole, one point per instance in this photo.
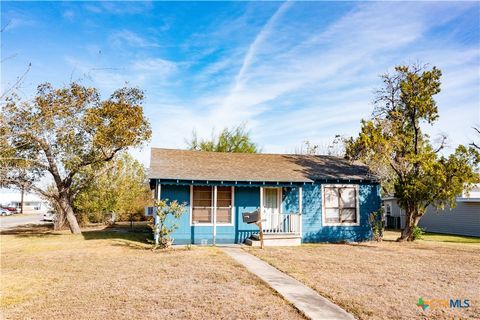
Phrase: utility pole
[22,191]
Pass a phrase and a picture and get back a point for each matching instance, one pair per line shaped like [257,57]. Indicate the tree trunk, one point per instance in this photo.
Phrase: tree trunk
[72,221]
[411,220]
[66,215]
[406,234]
[60,218]
[59,222]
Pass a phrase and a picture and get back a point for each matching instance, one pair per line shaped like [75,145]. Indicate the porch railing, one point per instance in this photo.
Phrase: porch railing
[273,223]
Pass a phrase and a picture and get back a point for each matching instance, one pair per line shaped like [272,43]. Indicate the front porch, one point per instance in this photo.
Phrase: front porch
[279,229]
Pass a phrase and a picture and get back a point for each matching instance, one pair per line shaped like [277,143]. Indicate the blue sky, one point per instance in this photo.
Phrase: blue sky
[291,70]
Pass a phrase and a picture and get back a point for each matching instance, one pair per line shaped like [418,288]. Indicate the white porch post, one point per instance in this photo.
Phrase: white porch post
[214,214]
[300,208]
[156,235]
[261,202]
[261,217]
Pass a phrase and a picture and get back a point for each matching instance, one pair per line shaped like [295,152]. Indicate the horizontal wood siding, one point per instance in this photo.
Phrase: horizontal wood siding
[247,199]
[290,200]
[182,194]
[464,219]
[314,231]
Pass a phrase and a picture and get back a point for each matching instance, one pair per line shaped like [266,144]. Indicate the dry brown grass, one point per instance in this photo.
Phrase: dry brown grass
[384,280]
[108,275]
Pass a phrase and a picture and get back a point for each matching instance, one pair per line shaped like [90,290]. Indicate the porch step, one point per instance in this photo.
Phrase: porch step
[277,240]
[256,236]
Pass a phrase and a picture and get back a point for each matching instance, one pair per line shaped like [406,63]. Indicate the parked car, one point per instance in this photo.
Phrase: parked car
[5,212]
[50,215]
[11,209]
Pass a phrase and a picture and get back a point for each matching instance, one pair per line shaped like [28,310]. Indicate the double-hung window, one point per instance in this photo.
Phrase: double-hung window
[203,205]
[340,205]
[224,205]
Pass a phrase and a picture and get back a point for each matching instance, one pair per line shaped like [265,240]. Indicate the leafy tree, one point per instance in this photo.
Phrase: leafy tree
[163,226]
[66,133]
[393,144]
[236,139]
[122,190]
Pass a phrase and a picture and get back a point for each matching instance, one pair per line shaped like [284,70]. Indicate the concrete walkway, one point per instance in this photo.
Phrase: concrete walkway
[313,305]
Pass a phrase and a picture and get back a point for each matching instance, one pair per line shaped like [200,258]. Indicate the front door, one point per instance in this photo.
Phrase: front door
[271,208]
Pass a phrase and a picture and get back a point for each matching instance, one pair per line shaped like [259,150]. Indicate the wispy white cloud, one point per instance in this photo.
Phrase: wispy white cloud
[139,72]
[129,38]
[155,65]
[69,15]
[17,19]
[118,7]
[264,33]
[291,87]
[292,71]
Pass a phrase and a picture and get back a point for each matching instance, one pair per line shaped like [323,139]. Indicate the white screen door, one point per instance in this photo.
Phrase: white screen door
[271,207]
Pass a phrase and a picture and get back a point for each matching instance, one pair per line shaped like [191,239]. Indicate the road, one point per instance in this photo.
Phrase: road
[20,219]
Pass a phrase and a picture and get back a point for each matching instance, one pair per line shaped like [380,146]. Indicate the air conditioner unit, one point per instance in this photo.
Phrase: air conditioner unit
[150,211]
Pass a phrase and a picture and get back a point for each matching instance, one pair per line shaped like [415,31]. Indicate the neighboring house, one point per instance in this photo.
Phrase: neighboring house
[301,198]
[463,219]
[32,203]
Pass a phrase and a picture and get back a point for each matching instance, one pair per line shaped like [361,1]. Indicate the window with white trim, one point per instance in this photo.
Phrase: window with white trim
[224,204]
[340,205]
[203,204]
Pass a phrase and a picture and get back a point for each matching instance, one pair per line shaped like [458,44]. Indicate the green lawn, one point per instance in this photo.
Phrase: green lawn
[450,238]
[438,237]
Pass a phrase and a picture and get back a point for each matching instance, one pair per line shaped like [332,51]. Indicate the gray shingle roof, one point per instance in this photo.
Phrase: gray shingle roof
[219,166]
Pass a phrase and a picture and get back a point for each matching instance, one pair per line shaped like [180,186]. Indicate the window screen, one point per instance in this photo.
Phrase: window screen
[340,204]
[202,206]
[224,204]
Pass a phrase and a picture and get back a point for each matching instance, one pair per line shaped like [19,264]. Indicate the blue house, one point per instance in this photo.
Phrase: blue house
[301,198]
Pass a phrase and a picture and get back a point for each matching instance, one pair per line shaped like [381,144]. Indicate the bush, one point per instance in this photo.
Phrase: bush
[377,224]
[163,226]
[85,218]
[417,233]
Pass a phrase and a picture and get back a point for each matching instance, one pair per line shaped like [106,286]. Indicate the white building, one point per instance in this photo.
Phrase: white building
[463,219]
[32,203]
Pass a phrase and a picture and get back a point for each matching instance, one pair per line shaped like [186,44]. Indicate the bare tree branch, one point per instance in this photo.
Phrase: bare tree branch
[442,144]
[473,144]
[17,83]
[5,26]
